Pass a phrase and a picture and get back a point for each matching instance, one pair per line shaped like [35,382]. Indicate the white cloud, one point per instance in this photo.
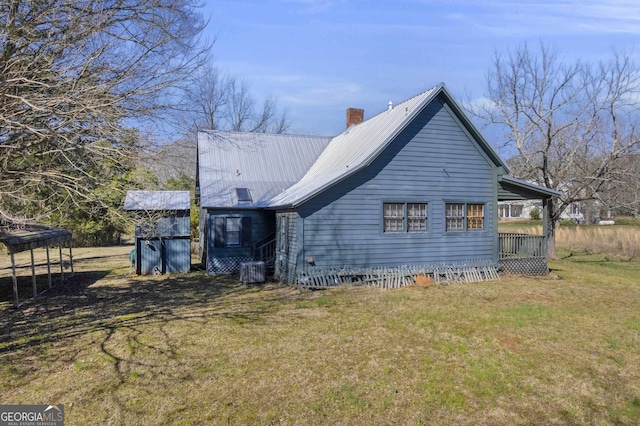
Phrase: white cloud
[312,7]
[481,104]
[574,17]
[323,93]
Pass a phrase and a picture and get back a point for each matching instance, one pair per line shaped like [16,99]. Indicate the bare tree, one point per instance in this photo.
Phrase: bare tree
[215,100]
[75,75]
[219,101]
[568,125]
[205,99]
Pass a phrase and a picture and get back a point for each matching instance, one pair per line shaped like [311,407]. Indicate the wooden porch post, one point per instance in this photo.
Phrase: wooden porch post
[545,217]
[545,224]
[33,275]
[48,267]
[61,265]
[70,258]
[15,280]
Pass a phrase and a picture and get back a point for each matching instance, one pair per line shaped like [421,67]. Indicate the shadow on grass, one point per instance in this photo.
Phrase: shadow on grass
[89,302]
[132,325]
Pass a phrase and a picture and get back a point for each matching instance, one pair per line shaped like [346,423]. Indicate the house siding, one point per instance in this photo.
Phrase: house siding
[227,260]
[434,161]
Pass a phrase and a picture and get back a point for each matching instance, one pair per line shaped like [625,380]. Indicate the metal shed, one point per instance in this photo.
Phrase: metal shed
[30,238]
[162,232]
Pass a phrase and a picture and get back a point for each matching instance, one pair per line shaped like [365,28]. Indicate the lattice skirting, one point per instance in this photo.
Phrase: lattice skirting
[525,266]
[226,265]
[395,277]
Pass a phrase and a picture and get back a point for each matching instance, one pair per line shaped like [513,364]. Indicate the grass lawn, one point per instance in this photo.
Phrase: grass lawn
[193,349]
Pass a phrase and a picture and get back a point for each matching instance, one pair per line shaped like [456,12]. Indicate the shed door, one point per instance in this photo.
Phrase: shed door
[177,255]
[150,256]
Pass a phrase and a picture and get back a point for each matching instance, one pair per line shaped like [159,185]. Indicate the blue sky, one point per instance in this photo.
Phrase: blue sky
[318,57]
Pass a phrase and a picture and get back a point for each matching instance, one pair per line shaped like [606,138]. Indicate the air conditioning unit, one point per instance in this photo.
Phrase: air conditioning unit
[252,272]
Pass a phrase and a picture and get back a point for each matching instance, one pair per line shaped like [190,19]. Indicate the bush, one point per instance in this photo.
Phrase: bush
[535,214]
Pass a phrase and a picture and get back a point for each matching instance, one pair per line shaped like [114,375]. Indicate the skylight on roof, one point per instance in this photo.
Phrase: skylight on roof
[243,194]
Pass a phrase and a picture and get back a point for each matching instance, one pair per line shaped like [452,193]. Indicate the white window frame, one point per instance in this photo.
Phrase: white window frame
[229,233]
[416,217]
[459,219]
[404,217]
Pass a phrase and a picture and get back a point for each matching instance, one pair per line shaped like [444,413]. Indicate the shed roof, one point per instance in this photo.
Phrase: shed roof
[265,164]
[157,200]
[360,144]
[510,188]
[33,237]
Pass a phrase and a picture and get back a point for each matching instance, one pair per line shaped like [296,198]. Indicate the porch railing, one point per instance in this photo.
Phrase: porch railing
[523,253]
[521,246]
[265,249]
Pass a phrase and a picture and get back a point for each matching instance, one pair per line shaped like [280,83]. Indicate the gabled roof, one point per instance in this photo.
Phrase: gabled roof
[287,170]
[359,145]
[157,200]
[265,164]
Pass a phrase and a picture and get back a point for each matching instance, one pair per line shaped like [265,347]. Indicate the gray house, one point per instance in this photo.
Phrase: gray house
[162,231]
[415,184]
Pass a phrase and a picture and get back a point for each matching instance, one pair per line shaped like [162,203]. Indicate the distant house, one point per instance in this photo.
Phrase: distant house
[523,210]
[162,231]
[415,184]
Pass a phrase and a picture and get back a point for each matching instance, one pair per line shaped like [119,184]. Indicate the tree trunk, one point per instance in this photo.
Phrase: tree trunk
[551,239]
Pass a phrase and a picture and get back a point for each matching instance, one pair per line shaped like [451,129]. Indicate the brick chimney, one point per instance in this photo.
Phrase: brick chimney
[354,116]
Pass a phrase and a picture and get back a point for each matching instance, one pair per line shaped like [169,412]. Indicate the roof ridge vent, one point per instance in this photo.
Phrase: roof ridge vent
[390,105]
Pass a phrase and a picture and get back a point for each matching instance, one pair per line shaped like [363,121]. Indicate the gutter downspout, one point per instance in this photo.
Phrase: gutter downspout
[545,224]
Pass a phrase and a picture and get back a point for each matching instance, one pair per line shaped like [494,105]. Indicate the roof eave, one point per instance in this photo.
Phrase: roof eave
[541,190]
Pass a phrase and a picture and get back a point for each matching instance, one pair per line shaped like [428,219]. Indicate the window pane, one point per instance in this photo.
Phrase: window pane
[233,231]
[455,216]
[516,210]
[393,215]
[243,194]
[475,216]
[416,217]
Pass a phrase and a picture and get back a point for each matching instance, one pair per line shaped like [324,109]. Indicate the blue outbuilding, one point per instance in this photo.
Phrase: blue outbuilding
[162,231]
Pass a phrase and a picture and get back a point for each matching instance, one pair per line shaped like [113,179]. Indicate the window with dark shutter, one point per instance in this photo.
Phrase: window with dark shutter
[232,232]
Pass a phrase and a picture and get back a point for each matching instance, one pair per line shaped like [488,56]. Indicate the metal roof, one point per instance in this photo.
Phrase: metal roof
[287,170]
[266,164]
[157,200]
[34,237]
[527,190]
[359,145]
